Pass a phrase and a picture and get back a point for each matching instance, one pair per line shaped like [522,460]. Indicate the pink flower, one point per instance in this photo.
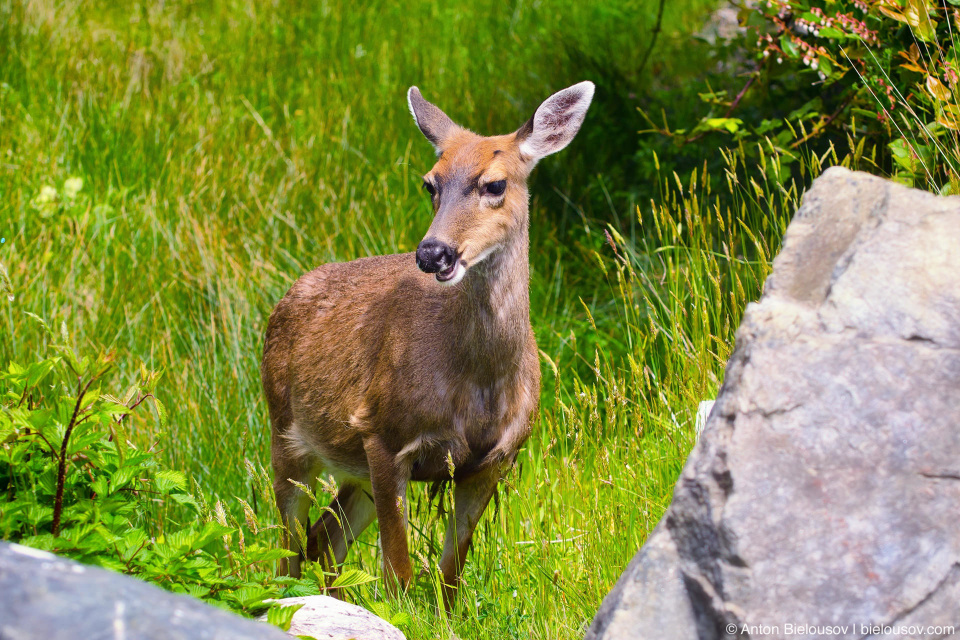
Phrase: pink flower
[951,77]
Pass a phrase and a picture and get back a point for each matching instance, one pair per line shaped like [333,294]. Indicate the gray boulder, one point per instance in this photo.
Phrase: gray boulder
[824,494]
[45,597]
[326,618]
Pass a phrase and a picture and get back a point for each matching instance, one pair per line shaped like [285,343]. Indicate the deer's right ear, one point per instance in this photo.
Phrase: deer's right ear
[433,122]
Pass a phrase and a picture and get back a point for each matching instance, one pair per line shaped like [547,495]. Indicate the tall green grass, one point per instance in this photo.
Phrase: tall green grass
[226,149]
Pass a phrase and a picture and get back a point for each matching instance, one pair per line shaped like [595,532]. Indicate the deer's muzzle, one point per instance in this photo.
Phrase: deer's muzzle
[434,256]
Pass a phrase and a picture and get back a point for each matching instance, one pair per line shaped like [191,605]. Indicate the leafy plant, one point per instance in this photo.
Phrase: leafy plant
[882,75]
[891,63]
[281,615]
[71,482]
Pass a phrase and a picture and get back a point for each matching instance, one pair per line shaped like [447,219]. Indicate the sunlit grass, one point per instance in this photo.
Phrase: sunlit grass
[225,150]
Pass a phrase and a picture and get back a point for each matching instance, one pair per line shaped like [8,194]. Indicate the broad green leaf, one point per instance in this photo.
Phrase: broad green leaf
[167,480]
[161,412]
[6,427]
[730,124]
[281,615]
[788,47]
[38,515]
[48,482]
[258,554]
[826,67]
[210,532]
[39,370]
[130,394]
[903,154]
[197,591]
[164,551]
[133,541]
[91,396]
[200,563]
[108,536]
[186,499]
[184,540]
[249,596]
[380,609]
[300,589]
[351,578]
[76,365]
[832,33]
[101,486]
[122,476]
[401,619]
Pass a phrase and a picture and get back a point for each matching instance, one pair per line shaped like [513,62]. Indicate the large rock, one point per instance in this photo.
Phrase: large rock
[823,497]
[44,597]
[326,618]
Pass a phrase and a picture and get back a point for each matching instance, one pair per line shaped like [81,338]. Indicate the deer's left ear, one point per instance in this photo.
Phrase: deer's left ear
[556,122]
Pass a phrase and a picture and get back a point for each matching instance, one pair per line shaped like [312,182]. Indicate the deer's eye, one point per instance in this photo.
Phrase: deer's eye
[430,188]
[496,188]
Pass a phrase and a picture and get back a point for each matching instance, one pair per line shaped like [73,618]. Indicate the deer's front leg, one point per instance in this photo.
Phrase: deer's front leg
[388,477]
[470,496]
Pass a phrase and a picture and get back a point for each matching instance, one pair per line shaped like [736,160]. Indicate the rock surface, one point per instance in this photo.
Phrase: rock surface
[824,494]
[326,618]
[45,597]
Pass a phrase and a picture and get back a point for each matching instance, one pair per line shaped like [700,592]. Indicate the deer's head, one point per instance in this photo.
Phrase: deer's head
[479,184]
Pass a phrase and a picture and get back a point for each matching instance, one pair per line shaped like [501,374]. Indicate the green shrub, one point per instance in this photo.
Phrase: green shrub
[71,482]
[891,67]
[878,77]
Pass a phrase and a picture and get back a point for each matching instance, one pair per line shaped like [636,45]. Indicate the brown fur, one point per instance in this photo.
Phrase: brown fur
[374,359]
[376,373]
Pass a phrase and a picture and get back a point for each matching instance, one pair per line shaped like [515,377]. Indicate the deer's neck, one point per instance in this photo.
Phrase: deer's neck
[494,307]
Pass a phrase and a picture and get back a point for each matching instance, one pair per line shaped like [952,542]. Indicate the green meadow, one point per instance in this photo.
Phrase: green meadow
[167,171]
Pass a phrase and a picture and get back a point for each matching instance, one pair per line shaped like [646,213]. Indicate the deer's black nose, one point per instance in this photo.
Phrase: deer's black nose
[434,256]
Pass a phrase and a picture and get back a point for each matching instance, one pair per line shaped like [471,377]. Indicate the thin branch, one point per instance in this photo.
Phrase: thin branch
[26,390]
[817,130]
[733,105]
[62,467]
[653,39]
[134,406]
[743,91]
[53,449]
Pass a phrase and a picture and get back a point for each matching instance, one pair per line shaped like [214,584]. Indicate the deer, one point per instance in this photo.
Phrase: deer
[416,367]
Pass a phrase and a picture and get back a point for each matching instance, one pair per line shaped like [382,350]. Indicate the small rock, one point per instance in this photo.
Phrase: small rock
[326,618]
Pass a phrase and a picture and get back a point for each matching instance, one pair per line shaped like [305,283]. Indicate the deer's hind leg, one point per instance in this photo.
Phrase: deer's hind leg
[291,477]
[351,511]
